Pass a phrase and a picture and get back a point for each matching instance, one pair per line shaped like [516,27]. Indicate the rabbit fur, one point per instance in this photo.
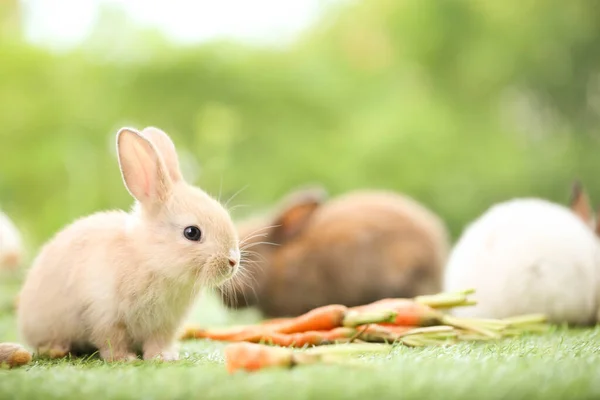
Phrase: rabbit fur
[353,249]
[123,282]
[530,255]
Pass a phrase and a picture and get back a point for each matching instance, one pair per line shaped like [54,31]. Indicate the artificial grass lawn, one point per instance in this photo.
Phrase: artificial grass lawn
[564,364]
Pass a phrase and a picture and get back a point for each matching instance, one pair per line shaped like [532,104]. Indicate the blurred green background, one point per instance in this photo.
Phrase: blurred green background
[458,103]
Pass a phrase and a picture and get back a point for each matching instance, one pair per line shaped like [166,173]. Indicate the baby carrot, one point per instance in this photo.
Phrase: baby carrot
[330,317]
[310,338]
[411,313]
[194,332]
[408,312]
[252,357]
[320,319]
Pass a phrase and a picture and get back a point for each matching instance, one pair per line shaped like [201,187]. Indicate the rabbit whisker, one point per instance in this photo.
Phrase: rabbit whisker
[235,194]
[248,239]
[242,284]
[251,245]
[232,208]
[248,257]
[257,231]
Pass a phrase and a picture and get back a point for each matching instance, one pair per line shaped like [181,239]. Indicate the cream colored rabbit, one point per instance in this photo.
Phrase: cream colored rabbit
[122,282]
[11,247]
[530,256]
[359,247]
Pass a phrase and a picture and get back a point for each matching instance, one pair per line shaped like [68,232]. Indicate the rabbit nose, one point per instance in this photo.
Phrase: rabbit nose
[234,258]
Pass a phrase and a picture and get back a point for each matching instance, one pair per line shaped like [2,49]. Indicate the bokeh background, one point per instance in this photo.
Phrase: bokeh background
[458,103]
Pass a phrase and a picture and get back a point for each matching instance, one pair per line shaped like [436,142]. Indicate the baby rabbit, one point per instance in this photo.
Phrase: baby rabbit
[11,248]
[351,250]
[122,282]
[530,256]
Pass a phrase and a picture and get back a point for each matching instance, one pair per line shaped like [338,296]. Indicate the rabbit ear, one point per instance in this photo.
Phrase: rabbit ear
[299,208]
[580,204]
[142,167]
[10,242]
[597,227]
[166,148]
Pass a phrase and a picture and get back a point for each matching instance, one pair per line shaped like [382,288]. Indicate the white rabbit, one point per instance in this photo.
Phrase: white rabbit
[530,256]
[122,282]
[11,246]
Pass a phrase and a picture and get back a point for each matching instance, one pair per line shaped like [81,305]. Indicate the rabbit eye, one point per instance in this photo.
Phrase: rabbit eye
[192,233]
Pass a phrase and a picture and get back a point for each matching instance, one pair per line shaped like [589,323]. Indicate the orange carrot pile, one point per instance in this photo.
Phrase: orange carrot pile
[314,327]
[413,322]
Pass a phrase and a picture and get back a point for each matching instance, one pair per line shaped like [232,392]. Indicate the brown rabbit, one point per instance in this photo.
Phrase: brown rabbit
[353,249]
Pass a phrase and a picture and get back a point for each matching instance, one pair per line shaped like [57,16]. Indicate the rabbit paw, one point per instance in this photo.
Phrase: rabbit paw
[169,355]
[160,349]
[53,351]
[114,356]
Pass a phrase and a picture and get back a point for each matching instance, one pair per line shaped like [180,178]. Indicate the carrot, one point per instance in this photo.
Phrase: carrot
[411,313]
[324,318]
[310,338]
[299,339]
[329,317]
[320,319]
[250,334]
[253,357]
[14,355]
[408,312]
[368,333]
[194,332]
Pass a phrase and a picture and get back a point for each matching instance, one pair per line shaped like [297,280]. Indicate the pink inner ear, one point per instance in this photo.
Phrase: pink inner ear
[166,148]
[143,170]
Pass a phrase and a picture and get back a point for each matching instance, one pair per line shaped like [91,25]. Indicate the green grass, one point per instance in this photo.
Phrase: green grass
[563,364]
